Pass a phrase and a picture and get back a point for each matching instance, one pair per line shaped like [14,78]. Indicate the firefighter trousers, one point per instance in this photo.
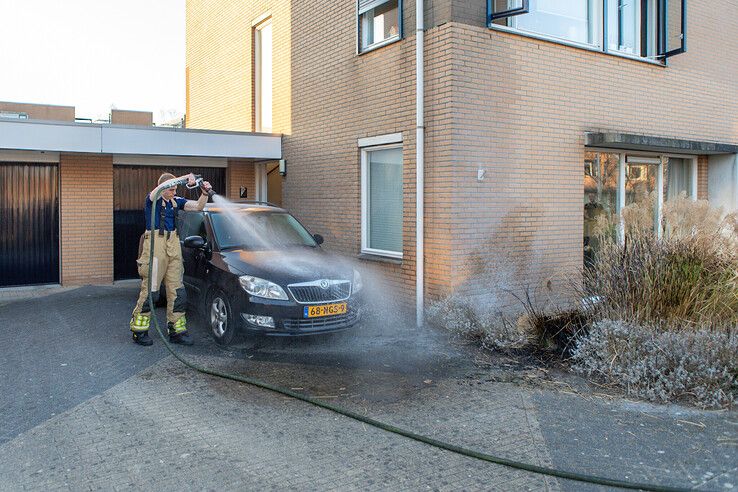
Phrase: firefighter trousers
[167,267]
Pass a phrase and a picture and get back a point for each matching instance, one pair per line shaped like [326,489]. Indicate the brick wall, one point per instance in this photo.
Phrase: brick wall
[40,111]
[127,117]
[86,209]
[521,108]
[219,63]
[240,173]
[702,177]
[367,95]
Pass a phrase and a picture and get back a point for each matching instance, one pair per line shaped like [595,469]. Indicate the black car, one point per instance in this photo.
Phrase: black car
[255,267]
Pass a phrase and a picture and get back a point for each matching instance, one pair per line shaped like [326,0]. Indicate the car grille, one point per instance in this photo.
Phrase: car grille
[319,324]
[312,292]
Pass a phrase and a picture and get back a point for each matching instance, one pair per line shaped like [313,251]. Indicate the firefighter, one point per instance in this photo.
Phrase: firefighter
[167,263]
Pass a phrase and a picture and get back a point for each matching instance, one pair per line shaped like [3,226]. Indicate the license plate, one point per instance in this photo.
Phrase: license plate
[325,310]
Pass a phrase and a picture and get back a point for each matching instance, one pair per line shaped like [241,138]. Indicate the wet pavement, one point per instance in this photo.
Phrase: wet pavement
[84,408]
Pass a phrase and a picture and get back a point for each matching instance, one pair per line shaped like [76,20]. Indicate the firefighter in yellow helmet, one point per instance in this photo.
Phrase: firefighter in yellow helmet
[167,263]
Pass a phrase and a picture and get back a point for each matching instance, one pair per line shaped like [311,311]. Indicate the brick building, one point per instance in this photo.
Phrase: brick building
[520,98]
[73,193]
[516,106]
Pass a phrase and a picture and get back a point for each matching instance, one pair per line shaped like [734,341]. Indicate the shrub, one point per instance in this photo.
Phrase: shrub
[699,365]
[476,321]
[688,278]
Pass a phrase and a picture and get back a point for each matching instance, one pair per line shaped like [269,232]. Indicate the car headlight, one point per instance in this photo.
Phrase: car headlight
[358,284]
[262,288]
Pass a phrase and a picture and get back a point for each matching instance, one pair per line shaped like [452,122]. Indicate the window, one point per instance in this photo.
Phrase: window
[381,200]
[600,200]
[575,20]
[647,181]
[191,224]
[644,28]
[263,76]
[258,230]
[380,23]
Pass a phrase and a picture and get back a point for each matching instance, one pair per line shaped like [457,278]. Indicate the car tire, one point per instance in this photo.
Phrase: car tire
[219,318]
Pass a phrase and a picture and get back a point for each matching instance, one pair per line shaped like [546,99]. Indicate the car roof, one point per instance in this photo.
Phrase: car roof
[261,206]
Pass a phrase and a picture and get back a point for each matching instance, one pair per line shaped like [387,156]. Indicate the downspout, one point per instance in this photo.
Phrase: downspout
[419,167]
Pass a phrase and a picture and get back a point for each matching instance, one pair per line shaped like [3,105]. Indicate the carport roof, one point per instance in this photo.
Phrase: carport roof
[627,141]
[56,136]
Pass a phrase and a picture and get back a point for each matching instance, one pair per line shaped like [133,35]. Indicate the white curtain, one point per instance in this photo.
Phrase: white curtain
[678,178]
[385,200]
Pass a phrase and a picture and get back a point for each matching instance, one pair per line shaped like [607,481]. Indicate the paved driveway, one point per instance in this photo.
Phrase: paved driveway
[82,407]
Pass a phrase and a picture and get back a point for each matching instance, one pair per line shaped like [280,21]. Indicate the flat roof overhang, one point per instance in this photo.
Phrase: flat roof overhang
[627,141]
[54,136]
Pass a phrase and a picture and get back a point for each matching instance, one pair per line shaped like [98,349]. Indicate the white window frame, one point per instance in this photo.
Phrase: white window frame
[258,25]
[650,158]
[594,24]
[360,48]
[365,150]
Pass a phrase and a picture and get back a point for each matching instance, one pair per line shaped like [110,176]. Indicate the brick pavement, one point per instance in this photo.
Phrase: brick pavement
[119,416]
[170,428]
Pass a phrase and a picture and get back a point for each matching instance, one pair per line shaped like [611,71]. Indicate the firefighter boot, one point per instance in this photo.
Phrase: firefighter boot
[142,338]
[181,337]
[140,327]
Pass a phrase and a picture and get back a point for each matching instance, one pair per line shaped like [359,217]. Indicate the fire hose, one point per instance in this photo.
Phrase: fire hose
[542,470]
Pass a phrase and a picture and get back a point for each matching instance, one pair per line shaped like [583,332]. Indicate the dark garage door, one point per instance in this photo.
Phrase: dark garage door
[131,184]
[29,224]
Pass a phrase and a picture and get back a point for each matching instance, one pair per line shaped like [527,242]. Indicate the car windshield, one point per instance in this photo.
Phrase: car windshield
[259,230]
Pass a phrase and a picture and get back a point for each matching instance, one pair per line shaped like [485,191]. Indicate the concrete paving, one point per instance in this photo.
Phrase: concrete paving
[83,408]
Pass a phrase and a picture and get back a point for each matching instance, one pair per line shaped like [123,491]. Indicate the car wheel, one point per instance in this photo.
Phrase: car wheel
[220,318]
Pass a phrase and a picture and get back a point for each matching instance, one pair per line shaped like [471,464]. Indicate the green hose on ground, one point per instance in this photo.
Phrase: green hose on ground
[580,477]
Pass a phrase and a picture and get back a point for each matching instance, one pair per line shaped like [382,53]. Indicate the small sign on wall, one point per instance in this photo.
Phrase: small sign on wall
[243,192]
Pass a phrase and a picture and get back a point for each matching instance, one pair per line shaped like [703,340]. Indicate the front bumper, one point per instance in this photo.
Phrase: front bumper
[289,318]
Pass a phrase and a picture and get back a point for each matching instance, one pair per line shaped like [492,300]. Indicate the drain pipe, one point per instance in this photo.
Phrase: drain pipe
[419,167]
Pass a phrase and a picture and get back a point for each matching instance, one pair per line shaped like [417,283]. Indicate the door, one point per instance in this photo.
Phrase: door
[29,224]
[131,183]
[195,262]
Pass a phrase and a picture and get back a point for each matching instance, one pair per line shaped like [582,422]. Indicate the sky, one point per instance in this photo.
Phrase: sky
[95,55]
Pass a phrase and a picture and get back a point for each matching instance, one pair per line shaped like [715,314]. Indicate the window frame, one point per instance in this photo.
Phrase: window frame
[651,158]
[658,36]
[365,249]
[400,28]
[257,26]
[663,29]
[492,16]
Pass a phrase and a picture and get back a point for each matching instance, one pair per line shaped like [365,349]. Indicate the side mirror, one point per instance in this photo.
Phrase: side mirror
[318,238]
[194,242]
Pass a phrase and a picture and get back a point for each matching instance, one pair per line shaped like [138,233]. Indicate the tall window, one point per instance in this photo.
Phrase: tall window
[380,23]
[634,187]
[381,193]
[646,28]
[263,76]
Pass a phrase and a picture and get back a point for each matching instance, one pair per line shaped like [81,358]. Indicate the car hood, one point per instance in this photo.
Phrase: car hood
[288,266]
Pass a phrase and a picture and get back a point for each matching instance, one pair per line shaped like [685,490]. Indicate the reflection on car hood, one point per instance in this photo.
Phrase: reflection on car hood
[288,266]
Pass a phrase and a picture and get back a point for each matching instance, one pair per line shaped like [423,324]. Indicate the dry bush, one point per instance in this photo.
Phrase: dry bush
[700,366]
[687,279]
[476,321]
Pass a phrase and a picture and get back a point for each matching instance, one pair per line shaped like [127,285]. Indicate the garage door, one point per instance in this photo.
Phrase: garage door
[131,183]
[29,224]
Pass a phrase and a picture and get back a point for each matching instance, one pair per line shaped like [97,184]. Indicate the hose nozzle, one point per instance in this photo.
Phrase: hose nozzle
[198,183]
